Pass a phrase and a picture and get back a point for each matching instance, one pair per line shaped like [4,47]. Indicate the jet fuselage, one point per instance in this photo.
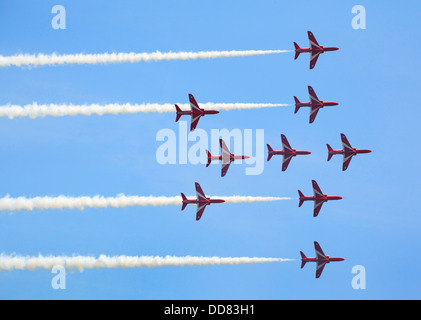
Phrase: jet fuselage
[321,104]
[203,112]
[349,152]
[208,201]
[232,158]
[289,153]
[325,198]
[317,50]
[329,259]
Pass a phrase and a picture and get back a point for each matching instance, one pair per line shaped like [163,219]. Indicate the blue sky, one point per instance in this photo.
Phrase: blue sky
[374,76]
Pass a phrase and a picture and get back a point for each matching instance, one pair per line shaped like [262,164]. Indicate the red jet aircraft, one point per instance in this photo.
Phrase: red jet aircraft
[320,258]
[315,104]
[202,201]
[195,112]
[315,49]
[227,157]
[286,151]
[319,198]
[348,152]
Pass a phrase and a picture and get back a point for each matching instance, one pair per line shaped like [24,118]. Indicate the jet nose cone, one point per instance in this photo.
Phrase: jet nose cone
[335,48]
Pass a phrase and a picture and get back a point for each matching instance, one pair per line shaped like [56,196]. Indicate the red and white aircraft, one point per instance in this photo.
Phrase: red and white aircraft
[348,152]
[319,198]
[227,157]
[315,49]
[321,259]
[196,112]
[202,201]
[286,151]
[315,104]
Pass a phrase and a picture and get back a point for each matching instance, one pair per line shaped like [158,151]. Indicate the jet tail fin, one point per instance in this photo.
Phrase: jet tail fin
[269,151]
[184,203]
[297,53]
[209,158]
[301,198]
[329,148]
[297,102]
[303,256]
[178,110]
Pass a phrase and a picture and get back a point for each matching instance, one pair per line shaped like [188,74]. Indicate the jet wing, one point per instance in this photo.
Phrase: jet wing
[199,192]
[317,207]
[314,45]
[345,143]
[194,105]
[319,268]
[320,255]
[200,209]
[313,113]
[313,95]
[347,161]
[313,58]
[319,252]
[224,169]
[313,42]
[316,189]
[226,157]
[195,117]
[286,161]
[285,144]
[226,154]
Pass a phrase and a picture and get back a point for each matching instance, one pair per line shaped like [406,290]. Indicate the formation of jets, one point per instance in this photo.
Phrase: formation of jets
[315,104]
[287,152]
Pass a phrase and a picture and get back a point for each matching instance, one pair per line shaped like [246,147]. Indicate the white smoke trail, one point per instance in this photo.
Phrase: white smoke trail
[249,199]
[36,110]
[35,60]
[121,201]
[32,263]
